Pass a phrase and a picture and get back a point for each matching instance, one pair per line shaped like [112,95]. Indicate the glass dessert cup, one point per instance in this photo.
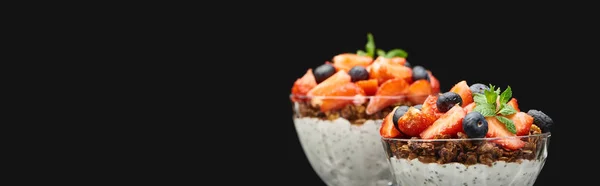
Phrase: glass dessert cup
[476,161]
[343,145]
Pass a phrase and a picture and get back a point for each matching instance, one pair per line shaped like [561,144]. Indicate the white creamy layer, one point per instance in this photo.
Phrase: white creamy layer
[414,172]
[344,154]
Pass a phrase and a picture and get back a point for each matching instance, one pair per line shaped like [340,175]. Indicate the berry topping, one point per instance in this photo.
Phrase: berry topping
[388,129]
[390,92]
[448,124]
[475,125]
[430,107]
[418,72]
[418,91]
[419,106]
[369,86]
[542,120]
[400,111]
[513,103]
[413,122]
[323,72]
[347,61]
[478,88]
[496,130]
[469,107]
[462,89]
[435,84]
[384,69]
[407,64]
[304,84]
[522,122]
[448,100]
[358,73]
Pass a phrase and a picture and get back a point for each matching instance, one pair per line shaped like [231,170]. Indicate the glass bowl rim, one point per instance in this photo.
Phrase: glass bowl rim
[543,135]
[358,96]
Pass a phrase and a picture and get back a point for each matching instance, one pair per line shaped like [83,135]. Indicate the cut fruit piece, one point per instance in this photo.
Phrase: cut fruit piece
[470,107]
[369,86]
[413,122]
[388,128]
[462,89]
[383,70]
[348,90]
[448,124]
[496,129]
[418,91]
[304,84]
[522,121]
[435,84]
[339,78]
[430,107]
[349,60]
[514,104]
[390,92]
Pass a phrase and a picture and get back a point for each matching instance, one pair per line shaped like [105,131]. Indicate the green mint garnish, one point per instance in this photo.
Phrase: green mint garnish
[361,53]
[486,105]
[396,53]
[370,46]
[380,52]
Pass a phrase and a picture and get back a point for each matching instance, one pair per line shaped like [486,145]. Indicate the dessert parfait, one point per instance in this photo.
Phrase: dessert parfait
[339,107]
[470,135]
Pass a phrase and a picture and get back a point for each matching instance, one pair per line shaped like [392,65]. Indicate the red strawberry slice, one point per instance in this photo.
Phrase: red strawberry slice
[304,84]
[497,129]
[388,130]
[383,69]
[349,60]
[514,104]
[522,121]
[435,84]
[413,122]
[430,107]
[462,89]
[418,91]
[397,61]
[396,88]
[369,86]
[349,89]
[470,107]
[448,124]
[339,78]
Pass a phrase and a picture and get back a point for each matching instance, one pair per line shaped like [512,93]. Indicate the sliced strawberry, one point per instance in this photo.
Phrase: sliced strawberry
[398,61]
[347,90]
[522,121]
[413,122]
[514,104]
[496,129]
[469,107]
[388,130]
[448,124]
[339,78]
[304,84]
[383,69]
[435,84]
[396,88]
[349,60]
[430,107]
[462,89]
[369,86]
[418,91]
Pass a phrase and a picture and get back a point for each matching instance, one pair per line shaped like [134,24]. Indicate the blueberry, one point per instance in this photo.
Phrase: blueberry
[419,106]
[541,120]
[478,88]
[407,64]
[475,125]
[358,73]
[323,72]
[400,111]
[447,100]
[418,72]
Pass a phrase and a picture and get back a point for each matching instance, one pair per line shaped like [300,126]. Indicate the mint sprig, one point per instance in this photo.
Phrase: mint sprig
[396,53]
[370,46]
[370,50]
[486,105]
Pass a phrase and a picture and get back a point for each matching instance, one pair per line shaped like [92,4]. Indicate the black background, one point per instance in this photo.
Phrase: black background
[543,66]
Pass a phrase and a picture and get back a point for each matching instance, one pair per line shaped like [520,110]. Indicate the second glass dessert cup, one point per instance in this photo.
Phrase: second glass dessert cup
[466,161]
[343,145]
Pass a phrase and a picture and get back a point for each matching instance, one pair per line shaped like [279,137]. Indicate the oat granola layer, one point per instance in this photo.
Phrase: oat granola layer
[355,113]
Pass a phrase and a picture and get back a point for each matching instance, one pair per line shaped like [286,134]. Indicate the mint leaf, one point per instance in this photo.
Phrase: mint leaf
[380,53]
[490,96]
[370,46]
[506,95]
[479,98]
[508,123]
[396,53]
[498,91]
[485,109]
[361,53]
[507,110]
